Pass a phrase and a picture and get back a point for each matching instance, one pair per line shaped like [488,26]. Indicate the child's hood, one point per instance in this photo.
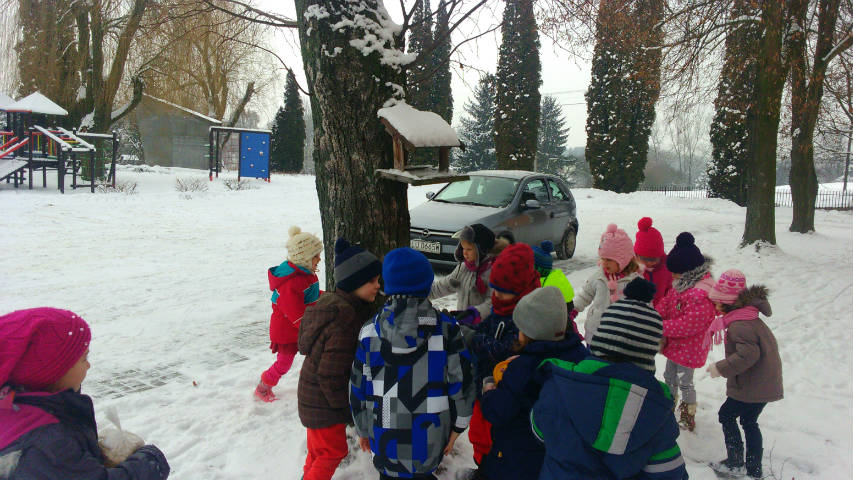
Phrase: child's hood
[754,296]
[407,323]
[614,408]
[280,274]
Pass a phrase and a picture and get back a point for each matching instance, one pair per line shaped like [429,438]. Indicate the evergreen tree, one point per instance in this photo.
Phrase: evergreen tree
[442,96]
[518,81]
[419,93]
[288,131]
[624,89]
[731,147]
[478,133]
[551,155]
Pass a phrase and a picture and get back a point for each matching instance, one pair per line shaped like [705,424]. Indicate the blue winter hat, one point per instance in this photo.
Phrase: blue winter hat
[354,266]
[407,272]
[542,255]
[685,255]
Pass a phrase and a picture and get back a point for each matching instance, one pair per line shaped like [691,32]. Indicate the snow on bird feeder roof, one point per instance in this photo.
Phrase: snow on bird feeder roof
[37,103]
[6,101]
[419,128]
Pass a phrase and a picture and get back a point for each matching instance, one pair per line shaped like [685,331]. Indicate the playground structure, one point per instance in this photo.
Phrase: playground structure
[26,147]
[253,152]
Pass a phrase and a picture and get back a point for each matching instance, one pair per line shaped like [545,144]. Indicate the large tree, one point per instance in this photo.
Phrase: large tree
[807,81]
[729,132]
[551,154]
[419,81]
[441,93]
[288,131]
[518,80]
[478,129]
[624,89]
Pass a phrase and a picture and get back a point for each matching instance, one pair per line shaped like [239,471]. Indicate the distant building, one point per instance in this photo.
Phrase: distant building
[172,136]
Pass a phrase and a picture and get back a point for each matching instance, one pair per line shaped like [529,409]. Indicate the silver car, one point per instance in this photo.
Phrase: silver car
[532,207]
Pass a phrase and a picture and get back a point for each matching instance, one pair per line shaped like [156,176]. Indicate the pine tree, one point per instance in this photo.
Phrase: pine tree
[624,89]
[518,80]
[442,95]
[288,131]
[419,93]
[478,132]
[551,155]
[731,148]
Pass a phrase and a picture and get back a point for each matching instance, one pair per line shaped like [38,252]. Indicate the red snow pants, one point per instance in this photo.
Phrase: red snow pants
[326,448]
[480,434]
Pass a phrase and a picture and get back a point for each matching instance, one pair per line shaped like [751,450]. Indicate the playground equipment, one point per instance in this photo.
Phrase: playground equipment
[253,148]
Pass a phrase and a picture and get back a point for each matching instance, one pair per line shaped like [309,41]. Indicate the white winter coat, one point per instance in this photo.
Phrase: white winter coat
[595,294]
[463,282]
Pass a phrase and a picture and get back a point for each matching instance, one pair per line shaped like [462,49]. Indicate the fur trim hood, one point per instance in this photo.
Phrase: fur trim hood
[754,296]
[691,278]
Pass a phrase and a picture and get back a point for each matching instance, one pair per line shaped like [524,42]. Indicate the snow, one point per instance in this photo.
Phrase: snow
[422,129]
[5,101]
[38,103]
[174,285]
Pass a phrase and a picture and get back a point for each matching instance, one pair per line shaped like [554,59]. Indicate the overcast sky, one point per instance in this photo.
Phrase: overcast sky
[565,78]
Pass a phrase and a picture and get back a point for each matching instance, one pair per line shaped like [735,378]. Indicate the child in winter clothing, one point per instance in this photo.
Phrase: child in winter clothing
[411,388]
[475,253]
[752,366]
[328,336]
[47,427]
[687,313]
[513,276]
[649,252]
[618,267]
[554,277]
[606,417]
[541,317]
[295,286]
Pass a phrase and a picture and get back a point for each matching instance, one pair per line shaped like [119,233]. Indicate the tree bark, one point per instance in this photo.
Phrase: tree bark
[347,88]
[806,95]
[764,124]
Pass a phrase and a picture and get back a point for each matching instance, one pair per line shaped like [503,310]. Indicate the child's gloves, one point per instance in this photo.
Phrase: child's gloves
[712,369]
[155,459]
[470,316]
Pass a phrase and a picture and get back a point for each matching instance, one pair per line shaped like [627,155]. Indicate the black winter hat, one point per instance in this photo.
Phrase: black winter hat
[478,234]
[354,266]
[685,255]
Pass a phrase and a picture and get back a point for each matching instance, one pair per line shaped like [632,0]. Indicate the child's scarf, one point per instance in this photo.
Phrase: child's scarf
[612,285]
[481,285]
[506,307]
[716,331]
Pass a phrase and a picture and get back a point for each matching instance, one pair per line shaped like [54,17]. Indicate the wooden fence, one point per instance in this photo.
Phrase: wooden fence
[826,199]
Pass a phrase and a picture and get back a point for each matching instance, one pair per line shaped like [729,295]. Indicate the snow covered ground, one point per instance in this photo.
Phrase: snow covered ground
[174,286]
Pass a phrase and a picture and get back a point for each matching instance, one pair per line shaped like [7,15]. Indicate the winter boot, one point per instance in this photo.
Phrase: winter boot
[733,464]
[687,416]
[753,463]
[263,392]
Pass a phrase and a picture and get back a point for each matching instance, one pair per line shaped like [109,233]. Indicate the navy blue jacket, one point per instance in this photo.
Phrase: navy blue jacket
[491,344]
[516,454]
[606,421]
[68,449]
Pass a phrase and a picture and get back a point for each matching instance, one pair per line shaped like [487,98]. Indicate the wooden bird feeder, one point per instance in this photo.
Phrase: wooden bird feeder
[411,129]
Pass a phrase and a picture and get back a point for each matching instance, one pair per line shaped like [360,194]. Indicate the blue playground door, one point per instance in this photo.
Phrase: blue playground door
[255,155]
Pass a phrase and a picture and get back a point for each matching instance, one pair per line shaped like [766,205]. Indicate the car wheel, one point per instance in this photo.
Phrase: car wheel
[566,249]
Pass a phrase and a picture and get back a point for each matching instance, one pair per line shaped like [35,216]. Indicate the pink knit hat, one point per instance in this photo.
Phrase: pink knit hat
[39,345]
[616,245]
[728,287]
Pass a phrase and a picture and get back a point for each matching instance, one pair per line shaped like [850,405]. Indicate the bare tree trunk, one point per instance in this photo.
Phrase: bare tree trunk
[764,124]
[347,89]
[235,116]
[806,95]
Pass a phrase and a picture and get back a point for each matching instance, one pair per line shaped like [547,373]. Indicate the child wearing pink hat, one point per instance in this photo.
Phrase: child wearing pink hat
[752,366]
[649,252]
[617,269]
[47,427]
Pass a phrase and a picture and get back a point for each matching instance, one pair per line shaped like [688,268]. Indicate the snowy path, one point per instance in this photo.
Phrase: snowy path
[174,285]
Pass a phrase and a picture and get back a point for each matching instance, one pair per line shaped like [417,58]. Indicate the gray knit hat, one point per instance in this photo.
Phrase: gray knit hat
[542,314]
[630,329]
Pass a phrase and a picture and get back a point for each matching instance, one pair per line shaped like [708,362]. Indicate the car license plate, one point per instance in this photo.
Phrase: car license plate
[428,247]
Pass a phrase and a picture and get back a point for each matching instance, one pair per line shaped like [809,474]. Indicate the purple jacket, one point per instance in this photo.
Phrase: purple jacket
[51,436]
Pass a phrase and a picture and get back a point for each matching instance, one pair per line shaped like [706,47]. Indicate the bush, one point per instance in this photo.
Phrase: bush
[242,184]
[191,184]
[127,188]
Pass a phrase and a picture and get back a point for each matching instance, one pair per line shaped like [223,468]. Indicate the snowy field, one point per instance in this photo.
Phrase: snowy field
[175,288]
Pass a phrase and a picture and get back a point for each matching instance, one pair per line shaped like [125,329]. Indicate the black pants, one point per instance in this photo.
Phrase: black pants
[748,413]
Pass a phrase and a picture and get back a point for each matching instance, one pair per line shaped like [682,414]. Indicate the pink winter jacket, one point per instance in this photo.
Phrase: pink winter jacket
[686,316]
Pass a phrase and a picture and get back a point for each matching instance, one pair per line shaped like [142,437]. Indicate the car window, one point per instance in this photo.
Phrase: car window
[535,190]
[485,191]
[556,193]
